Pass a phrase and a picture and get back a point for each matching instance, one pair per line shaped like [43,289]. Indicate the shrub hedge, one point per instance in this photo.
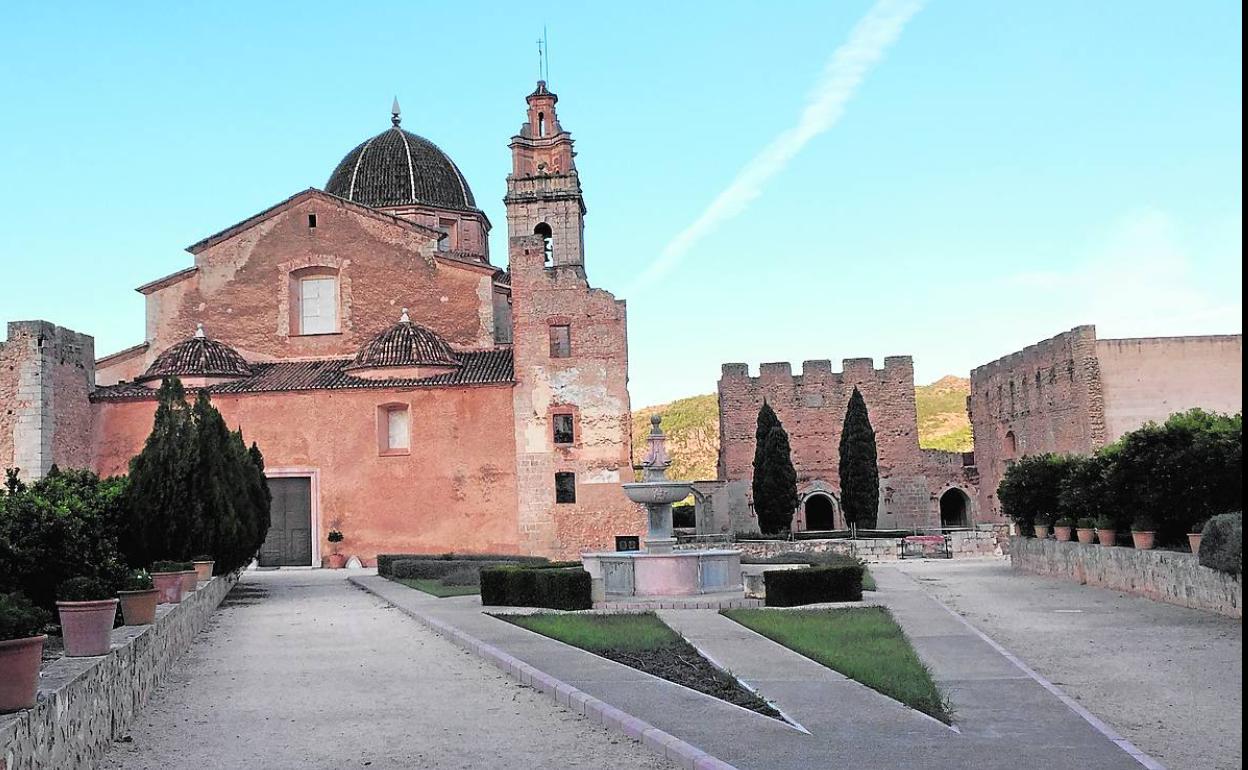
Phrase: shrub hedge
[814,585]
[1222,543]
[19,619]
[553,586]
[385,561]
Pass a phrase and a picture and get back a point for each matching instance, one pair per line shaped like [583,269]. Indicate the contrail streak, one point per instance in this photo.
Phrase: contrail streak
[844,73]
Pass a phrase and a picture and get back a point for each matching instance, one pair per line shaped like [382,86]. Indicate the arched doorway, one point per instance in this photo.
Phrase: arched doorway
[820,512]
[954,508]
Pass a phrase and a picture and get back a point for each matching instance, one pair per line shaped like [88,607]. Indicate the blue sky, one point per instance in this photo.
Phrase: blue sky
[1002,172]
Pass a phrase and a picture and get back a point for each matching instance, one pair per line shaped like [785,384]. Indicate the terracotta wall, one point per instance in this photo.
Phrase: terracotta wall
[1151,378]
[456,490]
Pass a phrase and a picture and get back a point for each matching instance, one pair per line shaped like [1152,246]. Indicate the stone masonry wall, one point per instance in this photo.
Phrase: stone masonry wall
[1164,576]
[812,405]
[963,544]
[1044,398]
[46,376]
[1149,379]
[86,703]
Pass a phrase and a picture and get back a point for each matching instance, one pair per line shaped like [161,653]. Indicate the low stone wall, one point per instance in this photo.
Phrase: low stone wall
[1164,576]
[85,703]
[963,544]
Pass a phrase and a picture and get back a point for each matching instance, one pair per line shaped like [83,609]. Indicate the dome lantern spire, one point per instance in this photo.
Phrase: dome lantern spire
[396,116]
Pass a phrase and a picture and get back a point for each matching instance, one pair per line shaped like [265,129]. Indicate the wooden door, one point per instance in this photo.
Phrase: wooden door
[289,542]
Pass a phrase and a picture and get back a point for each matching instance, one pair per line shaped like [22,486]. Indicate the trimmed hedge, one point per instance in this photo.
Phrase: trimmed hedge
[811,559]
[386,560]
[1222,543]
[553,586]
[434,569]
[815,585]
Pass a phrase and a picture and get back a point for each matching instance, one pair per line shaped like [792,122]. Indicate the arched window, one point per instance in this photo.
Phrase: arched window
[548,240]
[541,124]
[1011,444]
[954,509]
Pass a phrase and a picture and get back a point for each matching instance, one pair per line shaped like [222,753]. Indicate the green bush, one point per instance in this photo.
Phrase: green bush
[137,580]
[385,561]
[812,559]
[434,569]
[1083,492]
[171,566]
[814,585]
[1222,543]
[19,619]
[83,589]
[1086,523]
[561,588]
[1030,488]
[61,526]
[464,576]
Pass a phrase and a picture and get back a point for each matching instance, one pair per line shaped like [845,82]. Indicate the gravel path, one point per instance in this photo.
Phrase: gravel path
[298,669]
[1169,679]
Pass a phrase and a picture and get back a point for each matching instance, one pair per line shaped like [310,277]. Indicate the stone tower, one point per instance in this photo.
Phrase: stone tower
[543,189]
[570,350]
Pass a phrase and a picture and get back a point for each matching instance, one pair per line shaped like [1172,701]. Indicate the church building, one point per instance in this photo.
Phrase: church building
[404,389]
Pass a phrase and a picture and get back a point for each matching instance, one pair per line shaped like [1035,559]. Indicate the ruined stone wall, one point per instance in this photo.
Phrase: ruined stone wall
[592,384]
[455,490]
[87,703]
[1150,378]
[1047,397]
[241,289]
[46,375]
[811,406]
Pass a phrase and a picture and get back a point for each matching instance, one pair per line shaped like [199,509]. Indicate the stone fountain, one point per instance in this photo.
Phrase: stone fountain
[659,570]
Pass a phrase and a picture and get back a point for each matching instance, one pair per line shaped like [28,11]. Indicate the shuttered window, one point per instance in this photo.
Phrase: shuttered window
[318,305]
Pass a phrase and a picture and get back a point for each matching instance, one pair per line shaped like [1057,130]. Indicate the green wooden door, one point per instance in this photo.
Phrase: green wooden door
[289,542]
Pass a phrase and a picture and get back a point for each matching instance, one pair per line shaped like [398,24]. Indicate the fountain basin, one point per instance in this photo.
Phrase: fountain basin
[657,492]
[617,575]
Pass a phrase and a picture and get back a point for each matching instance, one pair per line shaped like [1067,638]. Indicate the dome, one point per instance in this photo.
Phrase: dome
[198,356]
[406,346]
[399,168]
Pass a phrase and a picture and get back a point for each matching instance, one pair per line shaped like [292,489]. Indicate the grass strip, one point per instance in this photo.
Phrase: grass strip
[436,588]
[864,644]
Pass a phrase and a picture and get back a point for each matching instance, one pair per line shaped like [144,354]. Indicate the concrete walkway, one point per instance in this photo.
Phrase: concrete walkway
[1008,720]
[1167,677]
[300,669]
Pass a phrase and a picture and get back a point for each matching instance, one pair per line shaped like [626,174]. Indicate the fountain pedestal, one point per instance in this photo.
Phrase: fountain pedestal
[660,570]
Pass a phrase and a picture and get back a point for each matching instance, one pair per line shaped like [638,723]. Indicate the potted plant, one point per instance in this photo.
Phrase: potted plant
[1193,536]
[1143,532]
[1085,530]
[190,579]
[167,577]
[203,568]
[336,560]
[21,650]
[87,608]
[1106,529]
[1062,529]
[1041,525]
[138,596]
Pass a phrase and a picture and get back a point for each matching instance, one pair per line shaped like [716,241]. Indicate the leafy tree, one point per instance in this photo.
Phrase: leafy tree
[859,467]
[1031,486]
[775,480]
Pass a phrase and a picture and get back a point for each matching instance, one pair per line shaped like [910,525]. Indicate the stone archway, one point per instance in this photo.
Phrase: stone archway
[955,508]
[819,512]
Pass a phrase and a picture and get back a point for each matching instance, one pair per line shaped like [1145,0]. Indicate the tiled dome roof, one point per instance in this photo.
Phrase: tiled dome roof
[198,356]
[399,168]
[405,344]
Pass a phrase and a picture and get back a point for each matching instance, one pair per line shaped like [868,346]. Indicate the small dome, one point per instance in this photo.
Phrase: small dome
[405,345]
[399,168]
[198,356]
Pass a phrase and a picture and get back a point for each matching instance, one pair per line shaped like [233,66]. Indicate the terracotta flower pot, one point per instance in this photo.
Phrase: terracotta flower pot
[1086,536]
[138,608]
[1042,531]
[19,672]
[1107,536]
[1062,534]
[86,626]
[169,584]
[337,560]
[203,570]
[1193,541]
[190,582]
[1143,541]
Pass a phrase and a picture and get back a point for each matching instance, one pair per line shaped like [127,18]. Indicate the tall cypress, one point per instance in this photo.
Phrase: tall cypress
[775,480]
[860,470]
[158,514]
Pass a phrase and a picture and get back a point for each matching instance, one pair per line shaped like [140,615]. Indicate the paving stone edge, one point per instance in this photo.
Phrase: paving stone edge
[684,754]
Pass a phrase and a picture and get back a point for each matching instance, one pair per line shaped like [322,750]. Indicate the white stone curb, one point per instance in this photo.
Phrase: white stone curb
[684,754]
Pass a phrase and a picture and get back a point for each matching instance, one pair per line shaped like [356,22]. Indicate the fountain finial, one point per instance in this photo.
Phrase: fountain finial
[656,462]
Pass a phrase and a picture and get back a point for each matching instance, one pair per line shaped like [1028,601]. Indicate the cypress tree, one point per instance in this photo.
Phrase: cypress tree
[158,514]
[775,480]
[860,471]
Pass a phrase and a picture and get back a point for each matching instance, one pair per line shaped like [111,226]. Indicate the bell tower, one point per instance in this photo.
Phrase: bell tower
[543,189]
